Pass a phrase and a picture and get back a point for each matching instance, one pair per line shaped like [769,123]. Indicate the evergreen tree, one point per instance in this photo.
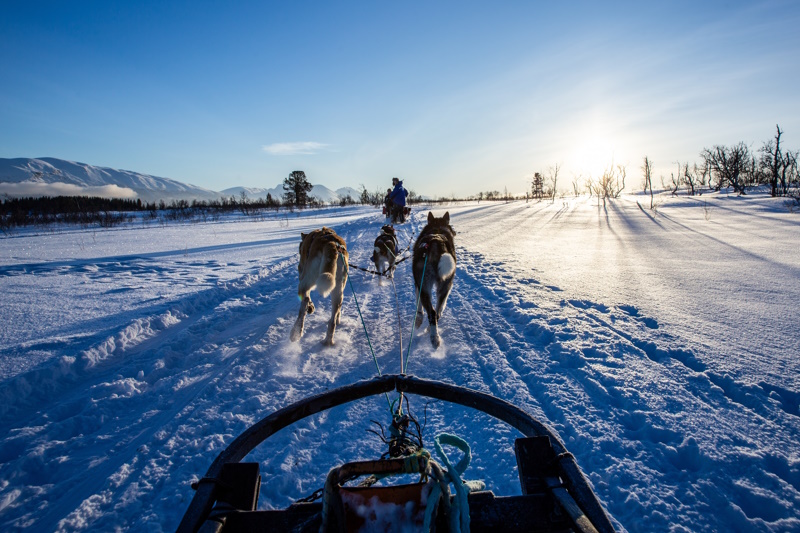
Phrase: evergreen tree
[296,188]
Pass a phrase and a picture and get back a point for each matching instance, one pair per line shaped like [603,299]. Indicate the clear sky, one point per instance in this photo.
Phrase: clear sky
[453,97]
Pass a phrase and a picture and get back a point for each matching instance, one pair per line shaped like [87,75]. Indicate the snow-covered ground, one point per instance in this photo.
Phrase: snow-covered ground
[662,345]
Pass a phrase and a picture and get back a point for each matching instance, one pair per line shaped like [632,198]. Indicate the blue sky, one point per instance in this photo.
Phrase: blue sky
[453,97]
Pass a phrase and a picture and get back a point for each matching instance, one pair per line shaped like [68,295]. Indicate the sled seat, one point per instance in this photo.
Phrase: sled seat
[400,507]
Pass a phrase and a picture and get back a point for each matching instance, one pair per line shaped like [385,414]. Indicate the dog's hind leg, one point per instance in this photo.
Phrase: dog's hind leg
[337,296]
[433,320]
[424,301]
[306,307]
[423,286]
[442,292]
[379,266]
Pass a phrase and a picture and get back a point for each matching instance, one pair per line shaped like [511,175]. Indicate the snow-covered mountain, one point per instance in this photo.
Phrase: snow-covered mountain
[344,191]
[48,176]
[320,192]
[253,193]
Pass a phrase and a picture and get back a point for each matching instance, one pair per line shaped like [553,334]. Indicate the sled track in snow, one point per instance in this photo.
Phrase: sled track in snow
[659,430]
[174,366]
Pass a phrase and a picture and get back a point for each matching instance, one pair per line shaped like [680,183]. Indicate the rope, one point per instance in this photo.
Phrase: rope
[389,249]
[399,329]
[387,268]
[397,306]
[364,325]
[459,515]
[368,270]
[416,310]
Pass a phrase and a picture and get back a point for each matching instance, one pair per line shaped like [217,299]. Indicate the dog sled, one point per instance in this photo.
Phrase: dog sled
[555,494]
[397,217]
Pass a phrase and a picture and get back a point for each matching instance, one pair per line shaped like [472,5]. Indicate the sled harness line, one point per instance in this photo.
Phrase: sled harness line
[380,273]
[364,325]
[389,249]
[387,269]
[400,335]
[403,366]
[416,309]
[370,271]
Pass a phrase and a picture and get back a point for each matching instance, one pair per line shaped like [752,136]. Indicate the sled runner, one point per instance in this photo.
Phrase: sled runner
[555,494]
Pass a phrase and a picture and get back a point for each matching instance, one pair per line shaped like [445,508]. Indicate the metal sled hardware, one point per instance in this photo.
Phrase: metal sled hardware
[556,496]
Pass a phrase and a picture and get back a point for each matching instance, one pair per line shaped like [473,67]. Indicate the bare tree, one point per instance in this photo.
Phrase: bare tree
[790,175]
[552,175]
[777,165]
[647,170]
[592,187]
[676,180]
[730,166]
[690,178]
[576,184]
[611,183]
[244,203]
[702,174]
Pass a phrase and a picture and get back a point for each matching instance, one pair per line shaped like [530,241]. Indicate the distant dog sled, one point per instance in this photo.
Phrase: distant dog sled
[397,214]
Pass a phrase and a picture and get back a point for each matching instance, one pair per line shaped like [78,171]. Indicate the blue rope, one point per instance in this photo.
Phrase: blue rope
[459,512]
[416,310]
[399,328]
[364,325]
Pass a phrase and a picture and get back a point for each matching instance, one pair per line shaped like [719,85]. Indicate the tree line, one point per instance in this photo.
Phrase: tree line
[737,167]
[108,212]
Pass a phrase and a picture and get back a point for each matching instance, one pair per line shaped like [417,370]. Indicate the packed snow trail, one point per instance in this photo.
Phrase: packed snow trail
[578,314]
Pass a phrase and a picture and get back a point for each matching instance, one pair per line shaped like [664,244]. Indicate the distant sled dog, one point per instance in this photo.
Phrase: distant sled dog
[323,266]
[436,242]
[384,254]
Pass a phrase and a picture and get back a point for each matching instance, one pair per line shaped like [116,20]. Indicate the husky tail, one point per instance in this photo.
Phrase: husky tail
[447,265]
[444,261]
[327,278]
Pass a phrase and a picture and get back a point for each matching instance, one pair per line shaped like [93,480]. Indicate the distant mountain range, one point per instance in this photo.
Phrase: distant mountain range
[47,176]
[318,191]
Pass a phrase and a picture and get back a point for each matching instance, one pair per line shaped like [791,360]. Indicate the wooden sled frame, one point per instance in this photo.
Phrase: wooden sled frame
[545,467]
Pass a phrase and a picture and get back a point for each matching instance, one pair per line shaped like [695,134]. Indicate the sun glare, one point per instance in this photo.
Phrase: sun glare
[592,155]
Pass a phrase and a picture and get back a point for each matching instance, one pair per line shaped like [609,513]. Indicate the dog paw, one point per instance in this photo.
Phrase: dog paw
[418,322]
[296,334]
[310,308]
[328,342]
[436,341]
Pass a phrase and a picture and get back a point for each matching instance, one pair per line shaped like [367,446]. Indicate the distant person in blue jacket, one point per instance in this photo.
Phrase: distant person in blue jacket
[398,199]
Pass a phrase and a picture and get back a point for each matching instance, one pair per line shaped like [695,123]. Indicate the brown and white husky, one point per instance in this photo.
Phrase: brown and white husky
[435,254]
[323,266]
[384,254]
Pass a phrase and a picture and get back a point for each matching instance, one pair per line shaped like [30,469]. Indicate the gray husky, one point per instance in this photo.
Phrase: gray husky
[435,254]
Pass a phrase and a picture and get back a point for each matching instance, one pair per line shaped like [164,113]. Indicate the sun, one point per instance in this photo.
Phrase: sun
[595,143]
[592,154]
